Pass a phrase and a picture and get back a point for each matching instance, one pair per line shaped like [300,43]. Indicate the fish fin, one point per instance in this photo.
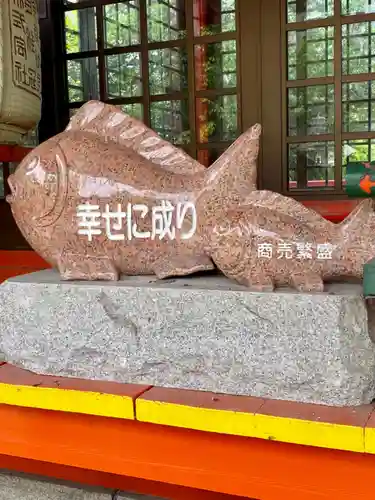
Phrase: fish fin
[253,220]
[276,202]
[168,266]
[112,124]
[307,282]
[89,268]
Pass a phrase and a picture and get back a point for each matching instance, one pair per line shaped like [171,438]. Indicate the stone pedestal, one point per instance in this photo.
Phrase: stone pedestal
[202,333]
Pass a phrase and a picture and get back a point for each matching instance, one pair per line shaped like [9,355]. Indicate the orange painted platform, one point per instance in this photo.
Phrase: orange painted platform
[185,444]
[179,444]
[17,262]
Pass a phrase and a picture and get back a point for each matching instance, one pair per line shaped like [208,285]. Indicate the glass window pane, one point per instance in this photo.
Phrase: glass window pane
[80,30]
[357,150]
[134,109]
[123,72]
[310,53]
[358,106]
[311,110]
[217,119]
[167,70]
[83,79]
[358,48]
[170,119]
[166,20]
[349,7]
[298,11]
[216,65]
[121,24]
[311,165]
[214,16]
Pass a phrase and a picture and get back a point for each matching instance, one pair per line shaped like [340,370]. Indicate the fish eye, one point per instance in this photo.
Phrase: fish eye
[32,165]
[51,177]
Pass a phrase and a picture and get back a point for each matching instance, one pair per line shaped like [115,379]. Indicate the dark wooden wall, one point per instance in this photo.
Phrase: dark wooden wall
[53,77]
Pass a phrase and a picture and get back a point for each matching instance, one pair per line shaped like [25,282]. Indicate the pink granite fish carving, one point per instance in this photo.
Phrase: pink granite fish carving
[273,240]
[108,196]
[112,125]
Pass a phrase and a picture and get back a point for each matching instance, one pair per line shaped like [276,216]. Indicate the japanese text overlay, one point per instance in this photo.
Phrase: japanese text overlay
[120,224]
[300,251]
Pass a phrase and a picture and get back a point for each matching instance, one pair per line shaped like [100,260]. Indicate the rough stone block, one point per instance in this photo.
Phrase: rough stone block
[202,333]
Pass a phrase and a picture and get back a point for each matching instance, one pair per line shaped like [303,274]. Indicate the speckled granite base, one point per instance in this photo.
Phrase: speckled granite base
[200,333]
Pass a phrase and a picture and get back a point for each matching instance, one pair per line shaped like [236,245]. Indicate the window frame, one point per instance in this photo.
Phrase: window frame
[189,43]
[274,27]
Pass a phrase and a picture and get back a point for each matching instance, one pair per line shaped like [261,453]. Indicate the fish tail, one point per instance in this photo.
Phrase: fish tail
[362,214]
[245,147]
[240,159]
[233,176]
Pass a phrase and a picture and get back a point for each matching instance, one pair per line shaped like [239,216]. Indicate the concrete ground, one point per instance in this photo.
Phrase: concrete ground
[24,487]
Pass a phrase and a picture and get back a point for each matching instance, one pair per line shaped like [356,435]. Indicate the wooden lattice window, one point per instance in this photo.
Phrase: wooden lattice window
[328,94]
[172,63]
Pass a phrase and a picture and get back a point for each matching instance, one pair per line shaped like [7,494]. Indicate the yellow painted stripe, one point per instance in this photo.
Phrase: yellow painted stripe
[287,430]
[67,400]
[370,440]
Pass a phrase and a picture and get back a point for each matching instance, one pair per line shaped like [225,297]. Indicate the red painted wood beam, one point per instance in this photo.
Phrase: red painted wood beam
[333,210]
[14,154]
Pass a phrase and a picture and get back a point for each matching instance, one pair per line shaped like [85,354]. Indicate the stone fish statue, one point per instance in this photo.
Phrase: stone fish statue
[272,240]
[109,196]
